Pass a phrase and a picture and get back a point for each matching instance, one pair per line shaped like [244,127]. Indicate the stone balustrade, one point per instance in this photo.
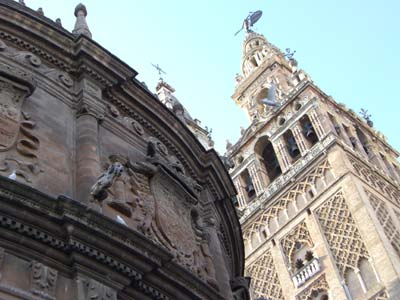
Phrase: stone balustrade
[306,272]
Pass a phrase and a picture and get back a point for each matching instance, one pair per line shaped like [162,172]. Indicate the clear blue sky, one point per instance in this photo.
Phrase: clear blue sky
[350,49]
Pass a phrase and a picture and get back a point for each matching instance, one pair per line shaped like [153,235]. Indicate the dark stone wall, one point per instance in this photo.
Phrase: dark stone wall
[104,193]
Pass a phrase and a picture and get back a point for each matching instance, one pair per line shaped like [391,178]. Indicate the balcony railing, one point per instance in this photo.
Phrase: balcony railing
[306,272]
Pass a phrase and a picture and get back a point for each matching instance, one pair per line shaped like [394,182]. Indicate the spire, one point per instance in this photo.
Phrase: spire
[81,26]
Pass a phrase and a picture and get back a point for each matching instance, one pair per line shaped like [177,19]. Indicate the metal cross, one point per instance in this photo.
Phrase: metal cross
[160,71]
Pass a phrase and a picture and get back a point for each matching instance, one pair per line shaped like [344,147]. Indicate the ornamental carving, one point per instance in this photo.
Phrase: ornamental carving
[298,236]
[382,295]
[342,234]
[318,288]
[264,278]
[161,202]
[90,289]
[282,203]
[18,143]
[384,217]
[376,181]
[43,280]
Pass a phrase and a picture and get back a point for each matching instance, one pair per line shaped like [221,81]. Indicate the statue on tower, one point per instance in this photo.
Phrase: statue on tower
[250,20]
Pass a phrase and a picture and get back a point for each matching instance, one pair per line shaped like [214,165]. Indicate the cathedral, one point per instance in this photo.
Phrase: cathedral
[107,190]
[318,187]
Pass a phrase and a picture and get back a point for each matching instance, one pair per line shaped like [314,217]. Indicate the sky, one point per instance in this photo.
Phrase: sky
[349,48]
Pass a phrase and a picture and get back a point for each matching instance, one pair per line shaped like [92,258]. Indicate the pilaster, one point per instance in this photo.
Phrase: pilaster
[89,113]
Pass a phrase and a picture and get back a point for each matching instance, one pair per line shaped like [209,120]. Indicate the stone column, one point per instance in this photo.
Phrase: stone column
[241,197]
[299,137]
[255,174]
[281,153]
[315,118]
[89,113]
[222,274]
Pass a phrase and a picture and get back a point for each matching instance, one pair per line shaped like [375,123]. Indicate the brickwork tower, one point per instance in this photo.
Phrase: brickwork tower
[318,188]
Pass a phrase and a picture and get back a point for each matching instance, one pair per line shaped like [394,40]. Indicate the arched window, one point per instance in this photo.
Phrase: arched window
[308,131]
[248,185]
[269,161]
[363,140]
[291,145]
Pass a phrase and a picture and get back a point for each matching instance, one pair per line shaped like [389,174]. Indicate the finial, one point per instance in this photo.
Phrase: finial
[58,22]
[40,11]
[22,2]
[228,145]
[81,26]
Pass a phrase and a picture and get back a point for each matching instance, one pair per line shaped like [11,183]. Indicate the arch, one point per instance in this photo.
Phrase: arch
[363,140]
[248,185]
[291,145]
[268,158]
[308,131]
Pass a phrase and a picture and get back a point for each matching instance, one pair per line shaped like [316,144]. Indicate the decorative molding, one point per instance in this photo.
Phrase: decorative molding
[265,282]
[299,234]
[287,177]
[320,285]
[384,217]
[43,280]
[282,203]
[341,233]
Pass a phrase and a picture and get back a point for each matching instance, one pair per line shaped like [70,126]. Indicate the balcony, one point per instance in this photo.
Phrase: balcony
[306,272]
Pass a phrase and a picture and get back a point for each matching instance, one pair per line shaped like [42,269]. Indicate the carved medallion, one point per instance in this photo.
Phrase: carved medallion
[173,215]
[11,101]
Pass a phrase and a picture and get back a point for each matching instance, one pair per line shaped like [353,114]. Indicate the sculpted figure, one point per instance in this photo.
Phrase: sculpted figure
[99,189]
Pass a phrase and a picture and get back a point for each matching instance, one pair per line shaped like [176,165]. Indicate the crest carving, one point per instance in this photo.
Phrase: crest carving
[90,289]
[43,280]
[16,128]
[159,200]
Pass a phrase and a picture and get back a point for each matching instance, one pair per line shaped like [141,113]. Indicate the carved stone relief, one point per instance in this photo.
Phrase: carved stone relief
[126,121]
[265,282]
[159,200]
[342,234]
[18,142]
[90,289]
[318,287]
[301,235]
[43,280]
[31,60]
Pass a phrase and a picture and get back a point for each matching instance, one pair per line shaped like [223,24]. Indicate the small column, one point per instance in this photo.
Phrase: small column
[281,154]
[90,112]
[316,122]
[240,195]
[255,177]
[298,136]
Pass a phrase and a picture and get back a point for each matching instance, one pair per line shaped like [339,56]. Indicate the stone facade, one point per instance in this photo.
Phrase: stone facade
[318,188]
[105,193]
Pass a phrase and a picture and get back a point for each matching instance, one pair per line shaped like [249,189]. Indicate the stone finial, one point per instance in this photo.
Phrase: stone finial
[40,11]
[81,26]
[22,2]
[58,22]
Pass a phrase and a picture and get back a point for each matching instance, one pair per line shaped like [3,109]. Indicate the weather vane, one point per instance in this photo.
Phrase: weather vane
[367,117]
[289,54]
[250,20]
[160,71]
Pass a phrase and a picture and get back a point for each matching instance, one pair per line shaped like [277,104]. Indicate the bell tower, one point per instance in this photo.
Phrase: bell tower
[318,187]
